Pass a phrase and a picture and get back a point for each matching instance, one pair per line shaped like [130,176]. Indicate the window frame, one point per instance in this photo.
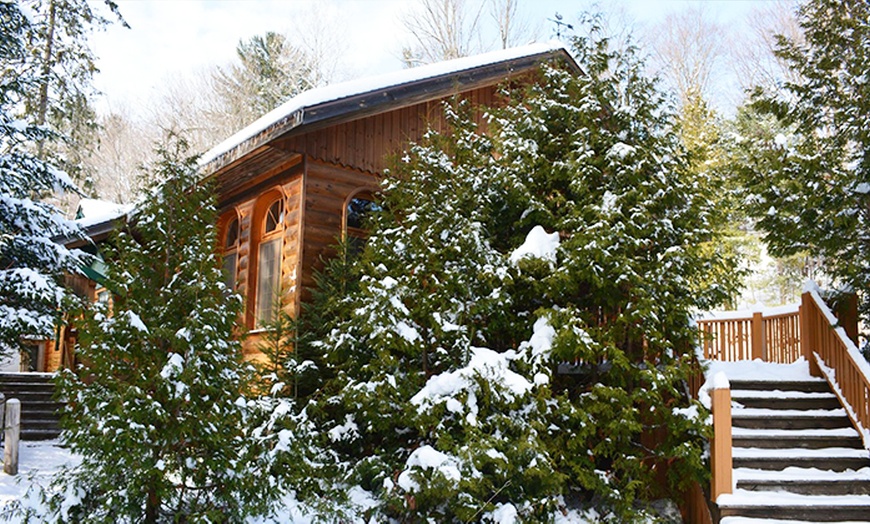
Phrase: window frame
[356,232]
[262,237]
[227,220]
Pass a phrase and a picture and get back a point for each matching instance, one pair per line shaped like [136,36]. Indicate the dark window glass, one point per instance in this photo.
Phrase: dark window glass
[274,217]
[229,270]
[268,280]
[232,234]
[358,209]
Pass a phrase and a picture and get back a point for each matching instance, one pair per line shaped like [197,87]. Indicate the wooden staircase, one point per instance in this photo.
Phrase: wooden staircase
[794,438]
[40,411]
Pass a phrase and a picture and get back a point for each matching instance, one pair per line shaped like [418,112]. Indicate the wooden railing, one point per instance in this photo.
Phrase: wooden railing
[772,337]
[809,330]
[836,357]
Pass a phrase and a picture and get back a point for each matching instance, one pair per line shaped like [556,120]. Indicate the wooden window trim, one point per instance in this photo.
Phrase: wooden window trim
[225,222]
[259,236]
[346,230]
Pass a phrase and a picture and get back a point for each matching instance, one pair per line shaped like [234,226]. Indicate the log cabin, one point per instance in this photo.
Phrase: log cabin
[295,181]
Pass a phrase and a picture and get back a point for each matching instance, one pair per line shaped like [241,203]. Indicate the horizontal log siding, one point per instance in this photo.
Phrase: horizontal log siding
[327,189]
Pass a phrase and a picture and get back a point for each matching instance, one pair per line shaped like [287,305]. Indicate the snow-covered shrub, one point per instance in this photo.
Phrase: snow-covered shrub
[568,238]
[155,407]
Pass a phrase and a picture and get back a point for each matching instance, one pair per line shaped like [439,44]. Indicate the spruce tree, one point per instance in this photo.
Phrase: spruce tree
[596,158]
[156,409]
[804,155]
[571,237]
[32,266]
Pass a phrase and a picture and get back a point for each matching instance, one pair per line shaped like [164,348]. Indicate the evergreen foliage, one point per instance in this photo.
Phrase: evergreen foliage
[155,410]
[31,264]
[62,65]
[277,343]
[445,403]
[270,71]
[803,149]
[291,368]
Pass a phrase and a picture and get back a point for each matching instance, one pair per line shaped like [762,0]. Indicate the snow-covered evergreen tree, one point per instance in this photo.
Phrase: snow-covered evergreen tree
[155,410]
[596,158]
[569,237]
[31,264]
[420,412]
[804,153]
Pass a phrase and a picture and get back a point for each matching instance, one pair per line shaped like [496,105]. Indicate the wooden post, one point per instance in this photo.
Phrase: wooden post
[13,433]
[847,315]
[808,332]
[758,349]
[720,447]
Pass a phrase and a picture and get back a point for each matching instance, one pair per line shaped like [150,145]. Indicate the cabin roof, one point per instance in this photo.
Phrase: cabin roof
[349,100]
[364,96]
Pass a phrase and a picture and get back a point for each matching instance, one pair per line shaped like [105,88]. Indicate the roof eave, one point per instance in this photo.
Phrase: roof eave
[375,101]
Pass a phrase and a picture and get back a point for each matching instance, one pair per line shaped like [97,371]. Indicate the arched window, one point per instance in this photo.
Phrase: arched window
[230,251]
[269,262]
[359,206]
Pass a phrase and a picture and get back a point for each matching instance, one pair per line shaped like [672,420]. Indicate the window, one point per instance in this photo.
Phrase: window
[230,248]
[358,209]
[269,262]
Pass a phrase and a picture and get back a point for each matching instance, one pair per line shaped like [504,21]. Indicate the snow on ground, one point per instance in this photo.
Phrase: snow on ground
[39,461]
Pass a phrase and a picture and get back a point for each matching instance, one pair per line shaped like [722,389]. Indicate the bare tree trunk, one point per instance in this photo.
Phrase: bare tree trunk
[42,103]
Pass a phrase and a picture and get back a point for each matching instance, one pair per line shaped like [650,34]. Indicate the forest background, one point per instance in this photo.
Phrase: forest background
[213,86]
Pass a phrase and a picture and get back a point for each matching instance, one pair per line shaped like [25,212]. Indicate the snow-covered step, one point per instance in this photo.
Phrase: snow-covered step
[806,481]
[779,399]
[812,438]
[834,459]
[750,520]
[785,506]
[806,385]
[761,418]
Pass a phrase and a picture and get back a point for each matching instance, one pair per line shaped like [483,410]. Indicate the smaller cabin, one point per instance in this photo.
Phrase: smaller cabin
[297,180]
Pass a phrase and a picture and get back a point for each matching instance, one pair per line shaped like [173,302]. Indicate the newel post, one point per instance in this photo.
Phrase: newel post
[720,447]
[758,349]
[808,332]
[846,312]
[12,436]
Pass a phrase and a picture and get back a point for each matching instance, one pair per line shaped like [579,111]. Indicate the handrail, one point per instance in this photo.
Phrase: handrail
[810,331]
[773,336]
[838,360]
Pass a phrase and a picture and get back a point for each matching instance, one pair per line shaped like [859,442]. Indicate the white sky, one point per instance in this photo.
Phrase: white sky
[173,37]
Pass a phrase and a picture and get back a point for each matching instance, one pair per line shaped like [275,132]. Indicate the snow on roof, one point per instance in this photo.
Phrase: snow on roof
[93,211]
[364,85]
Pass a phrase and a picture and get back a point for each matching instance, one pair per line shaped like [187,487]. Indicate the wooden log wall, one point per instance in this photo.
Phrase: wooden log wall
[338,162]
[366,144]
[250,211]
[327,191]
